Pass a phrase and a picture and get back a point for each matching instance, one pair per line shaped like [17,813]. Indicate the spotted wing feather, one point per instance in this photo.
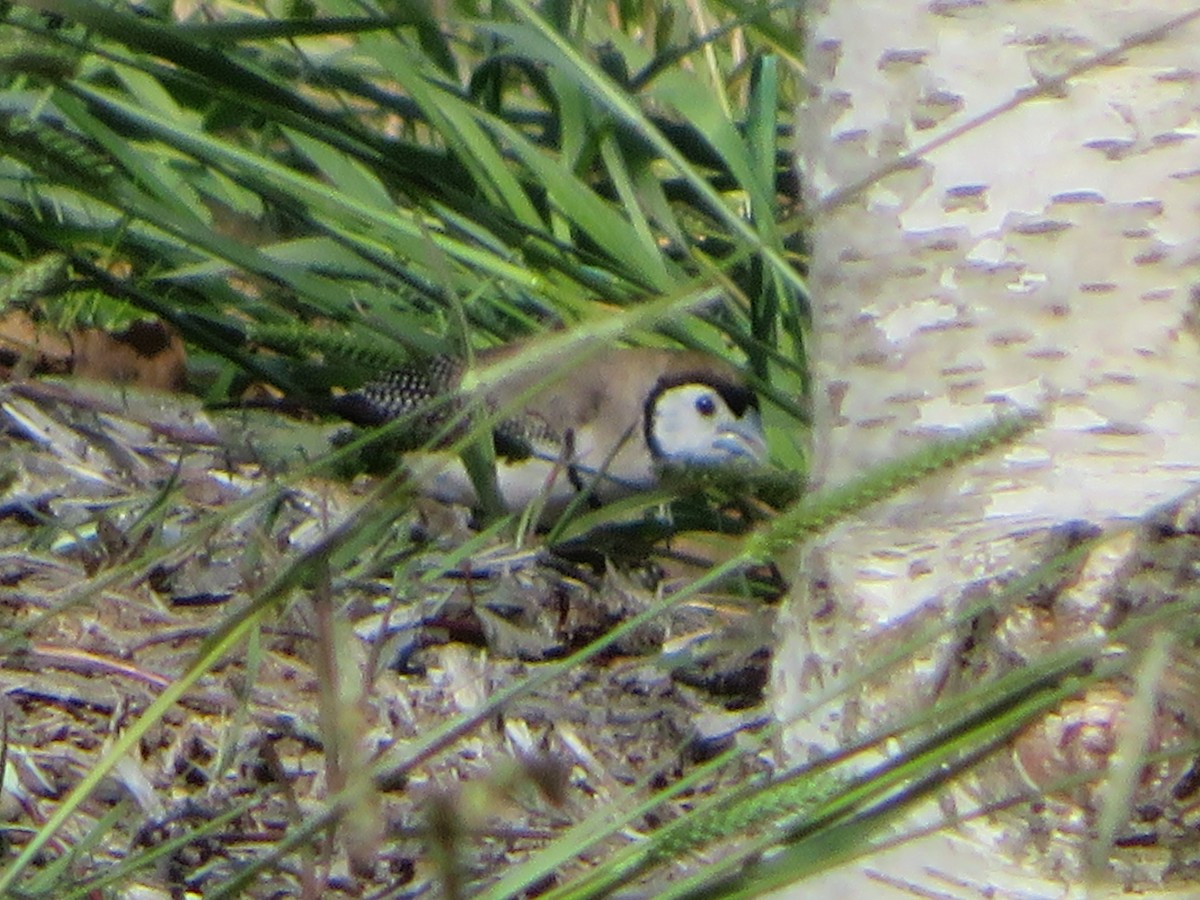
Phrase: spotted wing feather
[421,391]
[426,392]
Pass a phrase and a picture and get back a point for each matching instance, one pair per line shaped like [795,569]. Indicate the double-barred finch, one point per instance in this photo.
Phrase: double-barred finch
[608,424]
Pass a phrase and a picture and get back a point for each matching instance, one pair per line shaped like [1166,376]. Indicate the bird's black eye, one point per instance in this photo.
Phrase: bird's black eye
[706,405]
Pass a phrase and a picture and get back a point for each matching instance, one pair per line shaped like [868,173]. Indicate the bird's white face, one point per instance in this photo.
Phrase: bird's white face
[692,424]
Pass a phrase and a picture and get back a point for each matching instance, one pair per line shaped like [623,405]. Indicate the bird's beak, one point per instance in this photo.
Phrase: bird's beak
[744,439]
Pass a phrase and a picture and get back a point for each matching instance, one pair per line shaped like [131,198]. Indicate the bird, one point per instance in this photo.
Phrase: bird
[607,425]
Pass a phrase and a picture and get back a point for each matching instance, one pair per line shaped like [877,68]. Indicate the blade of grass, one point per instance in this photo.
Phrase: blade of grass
[551,48]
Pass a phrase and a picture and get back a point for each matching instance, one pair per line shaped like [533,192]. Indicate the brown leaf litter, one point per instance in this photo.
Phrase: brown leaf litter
[134,527]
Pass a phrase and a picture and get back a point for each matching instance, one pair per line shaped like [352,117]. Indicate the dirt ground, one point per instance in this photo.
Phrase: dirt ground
[353,654]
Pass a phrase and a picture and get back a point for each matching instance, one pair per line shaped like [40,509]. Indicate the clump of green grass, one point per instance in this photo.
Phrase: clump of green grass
[310,196]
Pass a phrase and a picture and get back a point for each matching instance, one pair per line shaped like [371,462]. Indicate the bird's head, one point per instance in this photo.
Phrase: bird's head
[699,420]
